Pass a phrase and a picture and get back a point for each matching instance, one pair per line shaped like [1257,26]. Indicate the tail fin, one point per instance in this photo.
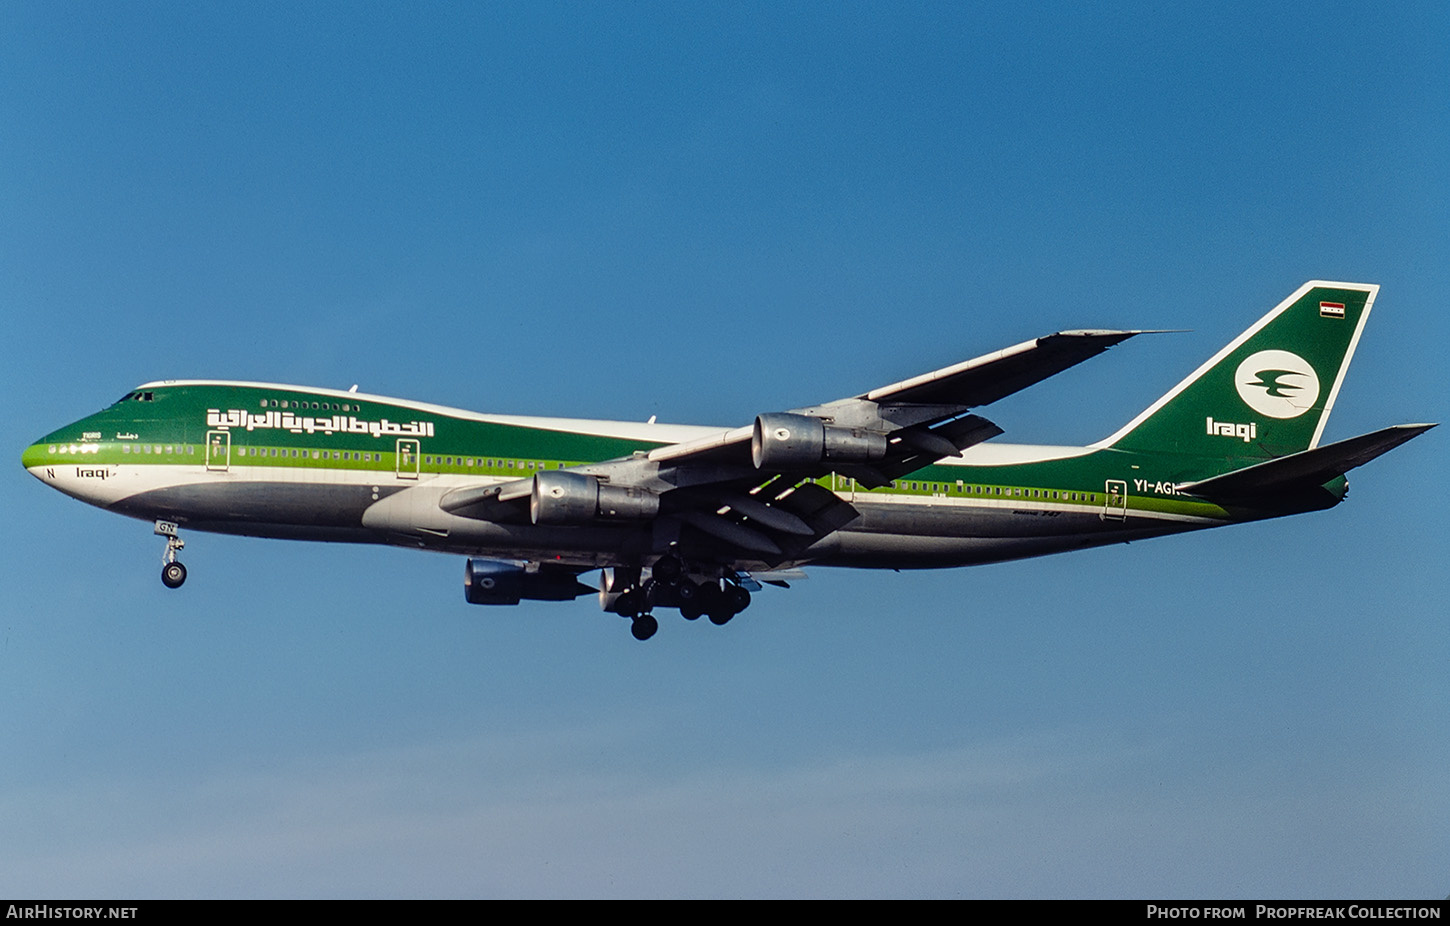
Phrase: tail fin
[1270,391]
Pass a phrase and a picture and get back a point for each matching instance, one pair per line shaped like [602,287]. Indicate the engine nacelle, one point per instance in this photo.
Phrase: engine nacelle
[488,581]
[785,442]
[560,497]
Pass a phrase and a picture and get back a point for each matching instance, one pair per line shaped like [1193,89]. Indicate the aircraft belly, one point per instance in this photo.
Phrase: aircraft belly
[576,546]
[930,536]
[409,516]
[414,517]
[977,520]
[299,505]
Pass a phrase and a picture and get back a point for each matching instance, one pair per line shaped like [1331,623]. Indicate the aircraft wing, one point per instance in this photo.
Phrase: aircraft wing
[751,488]
[907,409]
[993,376]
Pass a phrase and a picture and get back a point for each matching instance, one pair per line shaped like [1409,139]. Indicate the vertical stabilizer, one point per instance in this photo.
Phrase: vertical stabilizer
[1270,391]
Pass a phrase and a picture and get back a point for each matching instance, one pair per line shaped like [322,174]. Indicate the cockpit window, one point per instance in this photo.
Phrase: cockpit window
[136,397]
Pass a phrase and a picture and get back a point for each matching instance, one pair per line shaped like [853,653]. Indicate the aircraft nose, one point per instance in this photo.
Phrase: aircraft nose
[56,449]
[64,445]
[69,465]
[43,458]
[38,454]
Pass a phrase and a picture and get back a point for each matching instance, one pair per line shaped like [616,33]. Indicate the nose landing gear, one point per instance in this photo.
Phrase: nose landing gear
[173,573]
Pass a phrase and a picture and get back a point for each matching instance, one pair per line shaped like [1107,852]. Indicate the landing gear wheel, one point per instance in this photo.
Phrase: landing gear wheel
[628,603]
[173,574]
[644,626]
[716,602]
[739,598]
[724,603]
[691,610]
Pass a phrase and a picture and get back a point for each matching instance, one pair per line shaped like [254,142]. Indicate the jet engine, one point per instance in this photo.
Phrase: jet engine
[785,442]
[488,581]
[560,497]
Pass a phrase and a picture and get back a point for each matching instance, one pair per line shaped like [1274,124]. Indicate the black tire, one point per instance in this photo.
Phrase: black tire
[738,598]
[715,602]
[644,626]
[708,596]
[172,575]
[628,603]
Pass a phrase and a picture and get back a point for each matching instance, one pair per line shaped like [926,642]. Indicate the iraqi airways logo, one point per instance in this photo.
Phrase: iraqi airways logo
[1277,383]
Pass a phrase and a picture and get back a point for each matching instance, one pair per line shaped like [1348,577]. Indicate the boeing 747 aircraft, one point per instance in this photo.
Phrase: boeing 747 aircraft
[904,476]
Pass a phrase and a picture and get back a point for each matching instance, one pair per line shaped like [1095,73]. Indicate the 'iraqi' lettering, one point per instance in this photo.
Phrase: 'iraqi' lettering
[1245,432]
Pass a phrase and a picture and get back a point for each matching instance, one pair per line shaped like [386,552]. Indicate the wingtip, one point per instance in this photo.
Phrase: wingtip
[1121,335]
[1094,333]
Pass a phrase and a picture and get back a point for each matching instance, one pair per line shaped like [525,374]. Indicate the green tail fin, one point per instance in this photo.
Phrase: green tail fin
[1270,391]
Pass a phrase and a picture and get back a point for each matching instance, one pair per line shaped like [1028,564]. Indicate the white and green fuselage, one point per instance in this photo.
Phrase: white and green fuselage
[312,464]
[900,477]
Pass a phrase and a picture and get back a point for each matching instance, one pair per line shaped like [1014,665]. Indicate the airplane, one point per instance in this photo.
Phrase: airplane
[905,476]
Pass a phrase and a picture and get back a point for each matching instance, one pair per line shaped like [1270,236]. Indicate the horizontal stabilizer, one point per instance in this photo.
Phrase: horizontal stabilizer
[1306,468]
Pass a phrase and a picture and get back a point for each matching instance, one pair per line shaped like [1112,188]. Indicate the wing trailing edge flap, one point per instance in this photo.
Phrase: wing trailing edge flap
[1306,468]
[918,447]
[778,520]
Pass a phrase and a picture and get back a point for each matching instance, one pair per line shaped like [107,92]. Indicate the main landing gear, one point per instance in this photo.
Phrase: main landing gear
[173,573]
[670,586]
[643,626]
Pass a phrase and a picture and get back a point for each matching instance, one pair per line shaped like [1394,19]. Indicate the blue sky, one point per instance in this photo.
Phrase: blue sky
[703,212]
